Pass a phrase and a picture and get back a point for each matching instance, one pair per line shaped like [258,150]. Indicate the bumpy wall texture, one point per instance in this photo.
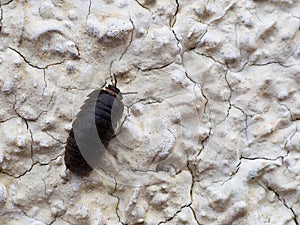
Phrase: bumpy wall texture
[209,136]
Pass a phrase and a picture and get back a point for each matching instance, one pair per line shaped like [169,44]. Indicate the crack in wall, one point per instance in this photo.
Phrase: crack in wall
[55,139]
[1,17]
[281,63]
[31,145]
[178,43]
[178,211]
[263,158]
[89,10]
[143,6]
[208,56]
[58,216]
[237,168]
[45,81]
[31,167]
[31,150]
[253,158]
[64,219]
[191,191]
[199,41]
[202,143]
[131,39]
[23,211]
[226,100]
[242,68]
[51,160]
[283,201]
[10,118]
[154,68]
[271,62]
[247,62]
[38,116]
[195,216]
[292,118]
[289,139]
[174,18]
[35,66]
[228,84]
[237,107]
[230,93]
[205,107]
[76,88]
[282,157]
[6,3]
[78,53]
[118,201]
[246,118]
[53,221]
[230,105]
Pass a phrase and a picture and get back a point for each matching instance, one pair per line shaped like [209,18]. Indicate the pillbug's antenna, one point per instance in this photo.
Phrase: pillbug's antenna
[129,93]
[111,80]
[115,78]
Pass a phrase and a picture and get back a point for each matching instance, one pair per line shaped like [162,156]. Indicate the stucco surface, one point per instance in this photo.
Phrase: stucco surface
[210,131]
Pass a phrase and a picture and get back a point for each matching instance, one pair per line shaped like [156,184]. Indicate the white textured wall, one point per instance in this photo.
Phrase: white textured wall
[210,137]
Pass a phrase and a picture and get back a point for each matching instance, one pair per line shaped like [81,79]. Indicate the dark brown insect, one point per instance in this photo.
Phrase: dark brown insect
[93,129]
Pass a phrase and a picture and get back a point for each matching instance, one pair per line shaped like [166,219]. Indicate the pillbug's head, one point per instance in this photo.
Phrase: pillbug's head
[115,90]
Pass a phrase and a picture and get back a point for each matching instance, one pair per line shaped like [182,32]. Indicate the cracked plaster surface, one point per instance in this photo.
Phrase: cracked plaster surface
[210,133]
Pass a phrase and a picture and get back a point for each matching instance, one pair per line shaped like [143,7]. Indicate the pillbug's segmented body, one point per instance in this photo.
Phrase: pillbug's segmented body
[93,129]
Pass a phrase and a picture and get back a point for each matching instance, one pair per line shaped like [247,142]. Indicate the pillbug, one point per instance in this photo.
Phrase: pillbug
[96,121]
